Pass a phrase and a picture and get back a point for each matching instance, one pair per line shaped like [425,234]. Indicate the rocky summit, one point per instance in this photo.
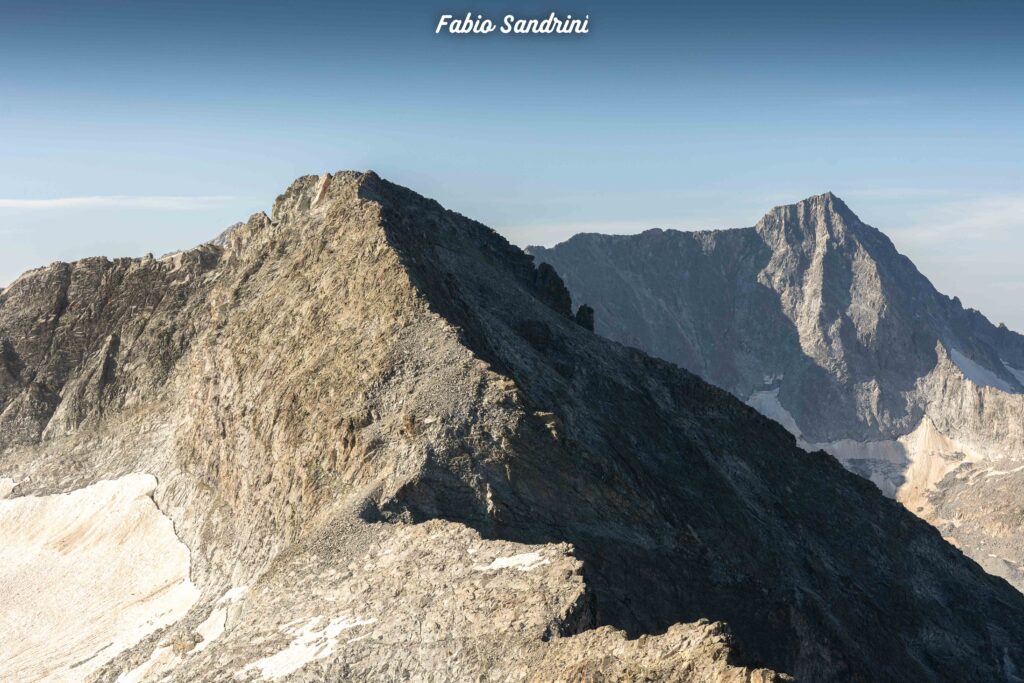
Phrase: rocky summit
[366,438]
[816,320]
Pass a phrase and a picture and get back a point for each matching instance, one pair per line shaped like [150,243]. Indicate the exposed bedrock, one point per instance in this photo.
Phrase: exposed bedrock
[394,450]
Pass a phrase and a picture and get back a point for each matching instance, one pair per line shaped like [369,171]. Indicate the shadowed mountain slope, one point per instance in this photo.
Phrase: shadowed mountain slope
[814,318]
[333,396]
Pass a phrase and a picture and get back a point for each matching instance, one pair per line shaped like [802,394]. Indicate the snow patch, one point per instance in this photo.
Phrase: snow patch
[310,644]
[6,486]
[524,562]
[932,455]
[233,595]
[1018,374]
[887,460]
[85,575]
[905,469]
[1001,473]
[211,629]
[978,374]
[767,403]
[163,658]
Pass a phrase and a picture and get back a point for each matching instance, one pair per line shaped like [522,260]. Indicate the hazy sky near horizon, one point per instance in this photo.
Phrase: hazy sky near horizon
[135,127]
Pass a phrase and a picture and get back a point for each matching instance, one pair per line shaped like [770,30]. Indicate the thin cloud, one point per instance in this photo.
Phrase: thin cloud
[994,218]
[898,193]
[116,202]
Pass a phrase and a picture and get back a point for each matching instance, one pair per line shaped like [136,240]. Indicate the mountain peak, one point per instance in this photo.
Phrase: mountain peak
[827,201]
[826,196]
[838,336]
[369,356]
[312,191]
[832,203]
[816,217]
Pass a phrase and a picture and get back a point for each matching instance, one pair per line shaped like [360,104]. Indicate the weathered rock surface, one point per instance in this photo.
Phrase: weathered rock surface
[815,319]
[395,452]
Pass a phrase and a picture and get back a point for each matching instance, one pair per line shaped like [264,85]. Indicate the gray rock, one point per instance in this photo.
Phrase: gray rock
[819,322]
[385,422]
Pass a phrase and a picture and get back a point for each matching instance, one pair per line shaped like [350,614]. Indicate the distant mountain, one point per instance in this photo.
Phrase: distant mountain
[367,439]
[817,321]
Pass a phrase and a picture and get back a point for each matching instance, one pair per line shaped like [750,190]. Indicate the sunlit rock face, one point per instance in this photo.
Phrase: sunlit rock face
[816,320]
[394,450]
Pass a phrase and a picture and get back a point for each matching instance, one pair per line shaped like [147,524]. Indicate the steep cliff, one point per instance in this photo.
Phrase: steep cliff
[393,450]
[814,318]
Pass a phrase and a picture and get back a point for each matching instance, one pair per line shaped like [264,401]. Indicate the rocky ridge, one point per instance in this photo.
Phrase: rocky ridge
[394,451]
[816,319]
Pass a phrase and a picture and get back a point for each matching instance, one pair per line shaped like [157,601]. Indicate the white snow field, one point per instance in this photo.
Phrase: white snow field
[767,403]
[311,643]
[1019,374]
[978,374]
[922,457]
[524,562]
[84,575]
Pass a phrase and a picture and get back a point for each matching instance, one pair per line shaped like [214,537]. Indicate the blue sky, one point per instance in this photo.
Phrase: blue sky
[150,126]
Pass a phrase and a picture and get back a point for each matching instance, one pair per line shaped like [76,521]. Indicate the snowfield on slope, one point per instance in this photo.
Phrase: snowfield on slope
[906,468]
[978,374]
[85,575]
[310,644]
[1016,372]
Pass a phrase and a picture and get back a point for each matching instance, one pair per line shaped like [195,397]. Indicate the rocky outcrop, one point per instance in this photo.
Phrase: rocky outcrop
[815,319]
[395,452]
